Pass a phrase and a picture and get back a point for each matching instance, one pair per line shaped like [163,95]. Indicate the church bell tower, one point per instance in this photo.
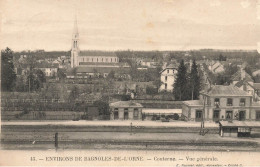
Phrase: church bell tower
[75,46]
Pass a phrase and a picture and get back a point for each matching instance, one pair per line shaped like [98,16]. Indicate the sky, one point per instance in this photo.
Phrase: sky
[130,24]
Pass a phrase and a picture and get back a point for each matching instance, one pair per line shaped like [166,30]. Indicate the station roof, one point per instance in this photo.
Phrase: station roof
[193,102]
[250,124]
[126,104]
[223,90]
[161,111]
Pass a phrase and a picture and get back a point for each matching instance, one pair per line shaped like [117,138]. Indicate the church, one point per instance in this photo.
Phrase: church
[92,62]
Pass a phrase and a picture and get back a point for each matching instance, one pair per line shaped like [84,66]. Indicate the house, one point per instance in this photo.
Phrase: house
[241,75]
[125,110]
[222,103]
[256,73]
[244,81]
[168,78]
[48,69]
[216,67]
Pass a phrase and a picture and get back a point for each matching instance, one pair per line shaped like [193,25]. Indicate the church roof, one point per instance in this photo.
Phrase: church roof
[97,53]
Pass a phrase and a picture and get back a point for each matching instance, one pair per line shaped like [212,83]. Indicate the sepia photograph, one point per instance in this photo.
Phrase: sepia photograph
[130,82]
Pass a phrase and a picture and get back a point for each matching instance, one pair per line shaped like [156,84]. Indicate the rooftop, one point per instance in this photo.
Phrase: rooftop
[125,104]
[240,124]
[257,86]
[223,90]
[102,69]
[193,102]
[237,77]
[97,53]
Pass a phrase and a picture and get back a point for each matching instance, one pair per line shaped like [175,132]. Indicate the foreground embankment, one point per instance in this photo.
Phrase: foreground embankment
[120,135]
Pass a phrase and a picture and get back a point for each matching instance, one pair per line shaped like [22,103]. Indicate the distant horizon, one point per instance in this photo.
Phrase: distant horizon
[118,50]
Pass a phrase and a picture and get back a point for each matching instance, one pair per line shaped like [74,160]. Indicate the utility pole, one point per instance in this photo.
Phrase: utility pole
[202,132]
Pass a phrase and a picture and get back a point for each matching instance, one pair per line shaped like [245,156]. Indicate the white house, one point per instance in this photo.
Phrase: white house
[168,78]
[216,67]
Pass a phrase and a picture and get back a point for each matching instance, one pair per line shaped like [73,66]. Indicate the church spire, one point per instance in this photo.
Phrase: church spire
[76,26]
[75,45]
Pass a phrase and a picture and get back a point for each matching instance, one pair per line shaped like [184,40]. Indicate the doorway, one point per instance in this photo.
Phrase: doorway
[198,116]
[126,115]
[242,115]
[216,115]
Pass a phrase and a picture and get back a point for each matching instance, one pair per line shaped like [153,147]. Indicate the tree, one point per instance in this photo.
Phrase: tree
[61,75]
[40,76]
[103,107]
[7,70]
[194,81]
[111,75]
[180,90]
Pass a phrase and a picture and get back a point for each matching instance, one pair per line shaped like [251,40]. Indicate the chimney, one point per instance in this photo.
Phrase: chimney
[243,73]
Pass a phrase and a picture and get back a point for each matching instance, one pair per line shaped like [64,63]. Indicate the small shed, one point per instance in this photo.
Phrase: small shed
[237,128]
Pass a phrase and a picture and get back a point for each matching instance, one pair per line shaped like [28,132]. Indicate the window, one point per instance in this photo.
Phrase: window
[87,59]
[198,115]
[229,115]
[97,59]
[92,59]
[136,113]
[217,102]
[165,85]
[116,113]
[242,115]
[208,100]
[102,59]
[111,59]
[229,102]
[106,60]
[126,114]
[257,115]
[167,71]
[242,102]
[243,129]
[165,78]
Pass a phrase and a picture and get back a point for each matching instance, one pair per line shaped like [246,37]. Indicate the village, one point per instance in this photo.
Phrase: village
[164,93]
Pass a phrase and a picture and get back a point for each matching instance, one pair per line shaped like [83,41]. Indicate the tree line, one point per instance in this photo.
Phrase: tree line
[187,85]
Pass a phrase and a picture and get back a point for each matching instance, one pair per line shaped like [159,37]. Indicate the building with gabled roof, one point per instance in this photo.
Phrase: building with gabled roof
[222,102]
[125,110]
[78,58]
[168,75]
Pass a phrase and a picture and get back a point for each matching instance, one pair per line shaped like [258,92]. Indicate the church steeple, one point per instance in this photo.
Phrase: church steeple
[75,45]
[75,32]
[75,35]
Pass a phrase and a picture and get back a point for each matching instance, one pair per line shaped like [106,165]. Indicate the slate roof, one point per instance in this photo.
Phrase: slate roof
[240,124]
[104,64]
[126,104]
[193,102]
[223,90]
[257,86]
[97,53]
[47,65]
[101,69]
[243,82]
[237,77]
[170,66]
